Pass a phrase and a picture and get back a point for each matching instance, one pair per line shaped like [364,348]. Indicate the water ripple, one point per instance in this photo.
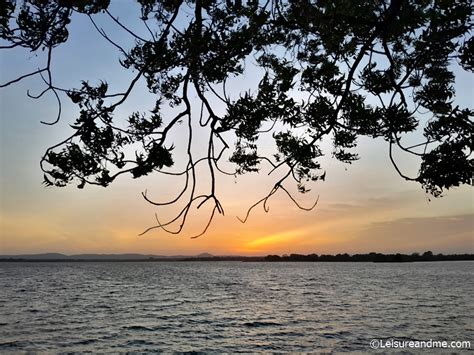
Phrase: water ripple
[230,307]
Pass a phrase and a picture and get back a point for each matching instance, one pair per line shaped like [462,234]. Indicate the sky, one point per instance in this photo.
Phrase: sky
[362,207]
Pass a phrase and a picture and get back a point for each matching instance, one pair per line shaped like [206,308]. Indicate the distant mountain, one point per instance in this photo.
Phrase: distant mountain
[370,257]
[105,257]
[204,255]
[43,256]
[129,256]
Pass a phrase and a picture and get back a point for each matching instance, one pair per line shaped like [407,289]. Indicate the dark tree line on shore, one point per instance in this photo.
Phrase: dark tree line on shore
[372,257]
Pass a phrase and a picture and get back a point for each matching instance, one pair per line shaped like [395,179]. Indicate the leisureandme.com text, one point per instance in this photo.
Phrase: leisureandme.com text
[419,344]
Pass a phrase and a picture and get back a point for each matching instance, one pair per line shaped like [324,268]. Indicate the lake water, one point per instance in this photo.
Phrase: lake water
[231,306]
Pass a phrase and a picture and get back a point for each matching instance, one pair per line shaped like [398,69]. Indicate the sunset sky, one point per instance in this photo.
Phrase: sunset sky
[362,207]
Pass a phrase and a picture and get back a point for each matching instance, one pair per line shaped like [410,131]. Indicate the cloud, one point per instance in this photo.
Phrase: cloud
[274,241]
[452,234]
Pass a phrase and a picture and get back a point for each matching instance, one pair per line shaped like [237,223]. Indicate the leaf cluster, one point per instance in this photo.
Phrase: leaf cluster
[331,70]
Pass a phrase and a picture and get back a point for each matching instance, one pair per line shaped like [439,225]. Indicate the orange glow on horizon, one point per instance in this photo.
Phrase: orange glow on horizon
[379,225]
[272,243]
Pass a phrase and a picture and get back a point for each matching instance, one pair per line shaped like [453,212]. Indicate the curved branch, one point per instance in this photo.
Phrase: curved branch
[125,27]
[22,77]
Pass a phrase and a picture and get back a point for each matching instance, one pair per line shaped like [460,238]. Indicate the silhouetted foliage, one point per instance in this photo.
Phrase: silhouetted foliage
[334,69]
[372,257]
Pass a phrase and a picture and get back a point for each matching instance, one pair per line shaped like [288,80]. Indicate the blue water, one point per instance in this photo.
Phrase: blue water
[231,306]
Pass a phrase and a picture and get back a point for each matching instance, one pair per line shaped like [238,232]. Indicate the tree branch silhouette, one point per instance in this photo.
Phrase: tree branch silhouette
[339,56]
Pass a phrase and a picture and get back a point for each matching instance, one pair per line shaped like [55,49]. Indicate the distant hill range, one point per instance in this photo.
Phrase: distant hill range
[370,257]
[98,257]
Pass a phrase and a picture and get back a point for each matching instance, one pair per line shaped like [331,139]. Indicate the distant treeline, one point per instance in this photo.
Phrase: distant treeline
[372,257]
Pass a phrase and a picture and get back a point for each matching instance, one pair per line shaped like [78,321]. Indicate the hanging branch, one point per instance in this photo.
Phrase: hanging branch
[337,54]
